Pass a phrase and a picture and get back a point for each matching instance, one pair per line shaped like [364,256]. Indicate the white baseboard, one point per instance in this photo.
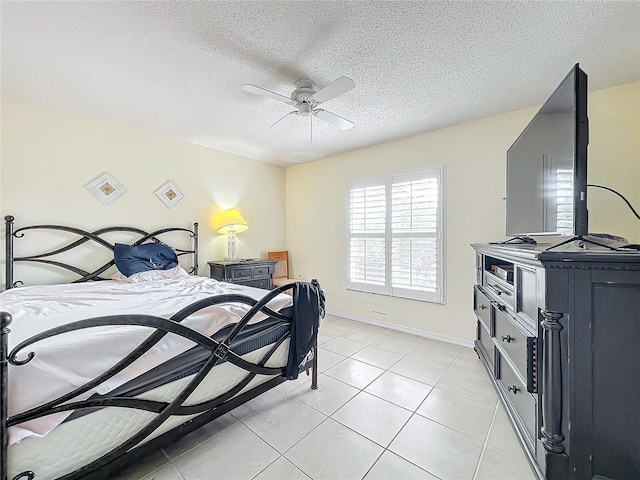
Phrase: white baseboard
[400,328]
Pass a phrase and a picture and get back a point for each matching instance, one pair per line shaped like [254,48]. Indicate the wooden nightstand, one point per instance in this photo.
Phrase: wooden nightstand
[253,273]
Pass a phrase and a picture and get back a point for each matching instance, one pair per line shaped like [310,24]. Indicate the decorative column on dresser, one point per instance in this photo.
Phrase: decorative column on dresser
[559,334]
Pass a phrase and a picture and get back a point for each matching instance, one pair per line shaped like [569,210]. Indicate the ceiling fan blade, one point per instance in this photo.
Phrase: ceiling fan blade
[337,87]
[333,119]
[265,93]
[288,115]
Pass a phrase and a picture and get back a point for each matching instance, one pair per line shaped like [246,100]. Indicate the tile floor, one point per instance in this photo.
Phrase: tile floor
[389,405]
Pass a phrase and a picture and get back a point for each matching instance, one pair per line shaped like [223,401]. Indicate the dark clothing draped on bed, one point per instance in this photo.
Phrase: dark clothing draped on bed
[308,308]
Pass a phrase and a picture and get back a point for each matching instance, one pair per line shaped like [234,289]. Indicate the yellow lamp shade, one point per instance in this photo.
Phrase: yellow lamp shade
[231,220]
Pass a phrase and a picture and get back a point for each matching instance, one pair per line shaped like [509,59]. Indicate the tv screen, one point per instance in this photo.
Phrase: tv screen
[547,166]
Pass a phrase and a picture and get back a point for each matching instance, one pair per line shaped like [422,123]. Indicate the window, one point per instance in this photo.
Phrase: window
[395,235]
[558,194]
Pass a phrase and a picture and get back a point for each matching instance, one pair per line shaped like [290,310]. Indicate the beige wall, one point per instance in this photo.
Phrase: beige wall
[474,159]
[614,160]
[49,155]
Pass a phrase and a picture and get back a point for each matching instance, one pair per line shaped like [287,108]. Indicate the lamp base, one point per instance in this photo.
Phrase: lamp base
[230,259]
[231,245]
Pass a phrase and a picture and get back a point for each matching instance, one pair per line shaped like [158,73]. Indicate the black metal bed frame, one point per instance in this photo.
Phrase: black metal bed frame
[219,351]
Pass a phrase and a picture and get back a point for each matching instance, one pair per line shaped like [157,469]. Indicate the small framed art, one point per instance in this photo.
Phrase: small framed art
[106,188]
[170,194]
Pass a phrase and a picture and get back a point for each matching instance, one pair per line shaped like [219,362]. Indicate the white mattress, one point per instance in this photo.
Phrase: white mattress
[66,362]
[87,438]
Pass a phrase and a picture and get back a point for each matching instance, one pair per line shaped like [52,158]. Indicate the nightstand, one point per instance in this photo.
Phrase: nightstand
[251,272]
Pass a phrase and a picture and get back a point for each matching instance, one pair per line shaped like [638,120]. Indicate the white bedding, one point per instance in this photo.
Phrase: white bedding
[70,360]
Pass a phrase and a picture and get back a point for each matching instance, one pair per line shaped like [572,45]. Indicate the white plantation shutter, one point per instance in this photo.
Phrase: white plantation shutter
[564,200]
[395,235]
[414,231]
[558,194]
[367,227]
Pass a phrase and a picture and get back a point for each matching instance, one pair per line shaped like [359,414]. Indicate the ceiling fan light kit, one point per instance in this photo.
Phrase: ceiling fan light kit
[305,109]
[306,99]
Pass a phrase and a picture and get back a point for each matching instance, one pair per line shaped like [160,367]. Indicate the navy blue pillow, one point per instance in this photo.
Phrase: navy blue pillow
[141,258]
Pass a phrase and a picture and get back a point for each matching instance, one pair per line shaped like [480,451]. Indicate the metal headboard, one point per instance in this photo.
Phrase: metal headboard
[95,236]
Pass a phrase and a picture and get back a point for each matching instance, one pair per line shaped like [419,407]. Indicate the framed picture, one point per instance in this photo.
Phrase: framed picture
[170,194]
[106,188]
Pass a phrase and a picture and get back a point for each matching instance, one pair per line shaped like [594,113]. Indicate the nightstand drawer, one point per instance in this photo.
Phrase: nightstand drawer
[241,273]
[259,283]
[260,272]
[252,272]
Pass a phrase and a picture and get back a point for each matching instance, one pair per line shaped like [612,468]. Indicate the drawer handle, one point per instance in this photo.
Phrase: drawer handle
[499,306]
[508,339]
[498,291]
[514,389]
[482,307]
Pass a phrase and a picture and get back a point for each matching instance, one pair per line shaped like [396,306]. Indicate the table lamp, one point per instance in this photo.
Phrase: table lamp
[229,223]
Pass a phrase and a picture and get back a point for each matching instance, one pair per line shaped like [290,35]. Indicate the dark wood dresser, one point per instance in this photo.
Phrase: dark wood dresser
[253,273]
[559,333]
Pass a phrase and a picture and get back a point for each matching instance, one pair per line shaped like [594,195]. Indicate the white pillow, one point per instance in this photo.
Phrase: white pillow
[151,275]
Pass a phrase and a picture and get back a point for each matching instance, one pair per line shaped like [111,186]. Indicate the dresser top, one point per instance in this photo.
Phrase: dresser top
[243,261]
[565,256]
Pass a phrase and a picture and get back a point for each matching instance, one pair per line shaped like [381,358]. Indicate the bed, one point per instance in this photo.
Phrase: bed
[99,372]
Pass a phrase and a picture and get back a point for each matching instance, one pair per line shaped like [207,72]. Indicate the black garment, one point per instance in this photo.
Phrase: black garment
[308,308]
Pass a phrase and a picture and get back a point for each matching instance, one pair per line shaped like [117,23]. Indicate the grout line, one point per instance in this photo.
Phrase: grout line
[385,448]
[166,454]
[153,471]
[398,405]
[374,463]
[267,465]
[397,454]
[486,441]
[182,477]
[281,456]
[305,436]
[451,428]
[413,413]
[337,380]
[326,417]
[171,460]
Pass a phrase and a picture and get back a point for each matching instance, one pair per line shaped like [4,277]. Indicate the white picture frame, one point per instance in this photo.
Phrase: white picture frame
[170,194]
[106,188]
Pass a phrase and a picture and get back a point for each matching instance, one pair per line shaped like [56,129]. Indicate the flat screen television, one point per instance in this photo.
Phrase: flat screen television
[547,166]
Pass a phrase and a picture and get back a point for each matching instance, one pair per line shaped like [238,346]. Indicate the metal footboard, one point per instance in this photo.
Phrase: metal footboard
[137,446]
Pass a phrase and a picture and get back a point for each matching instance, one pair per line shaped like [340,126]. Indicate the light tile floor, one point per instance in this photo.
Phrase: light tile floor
[388,406]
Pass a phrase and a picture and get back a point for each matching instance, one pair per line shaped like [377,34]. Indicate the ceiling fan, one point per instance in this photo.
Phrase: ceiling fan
[306,99]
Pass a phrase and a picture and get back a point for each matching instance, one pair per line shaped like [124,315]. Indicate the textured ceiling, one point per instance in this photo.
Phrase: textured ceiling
[177,67]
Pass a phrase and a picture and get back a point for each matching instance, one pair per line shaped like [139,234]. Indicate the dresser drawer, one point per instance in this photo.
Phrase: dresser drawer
[484,339]
[517,344]
[526,306]
[482,307]
[522,401]
[503,291]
